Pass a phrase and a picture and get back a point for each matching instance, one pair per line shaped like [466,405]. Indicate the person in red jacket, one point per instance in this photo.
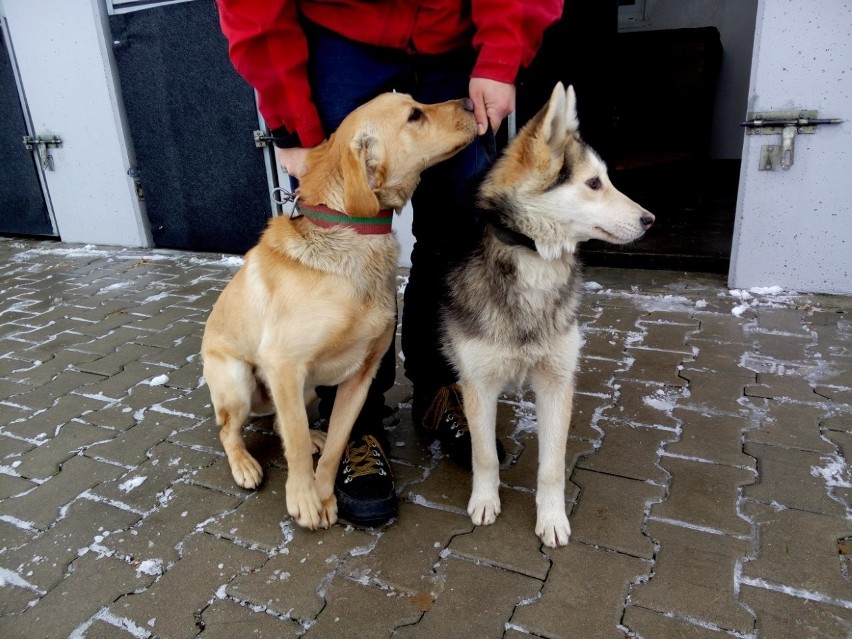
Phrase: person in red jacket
[311,63]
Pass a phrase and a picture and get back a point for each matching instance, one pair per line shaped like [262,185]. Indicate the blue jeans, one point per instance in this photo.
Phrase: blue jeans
[345,74]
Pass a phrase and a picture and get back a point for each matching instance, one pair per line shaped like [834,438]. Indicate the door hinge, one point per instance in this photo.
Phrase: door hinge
[42,142]
[261,139]
[788,124]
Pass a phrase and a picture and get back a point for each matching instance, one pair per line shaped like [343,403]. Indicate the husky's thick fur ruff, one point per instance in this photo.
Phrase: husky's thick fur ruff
[510,317]
[315,306]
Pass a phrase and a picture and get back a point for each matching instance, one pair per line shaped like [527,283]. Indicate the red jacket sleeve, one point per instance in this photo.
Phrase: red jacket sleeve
[268,48]
[509,33]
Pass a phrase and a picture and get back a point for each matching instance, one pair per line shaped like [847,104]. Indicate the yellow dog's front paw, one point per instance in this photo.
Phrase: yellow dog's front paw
[245,469]
[304,505]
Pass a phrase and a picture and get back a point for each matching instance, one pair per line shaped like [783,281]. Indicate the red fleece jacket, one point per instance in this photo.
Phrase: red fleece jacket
[268,48]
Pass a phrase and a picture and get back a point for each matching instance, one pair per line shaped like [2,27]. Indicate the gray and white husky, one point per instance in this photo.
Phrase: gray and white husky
[511,312]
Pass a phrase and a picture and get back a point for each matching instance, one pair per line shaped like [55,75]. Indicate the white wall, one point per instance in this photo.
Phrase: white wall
[67,71]
[794,227]
[735,21]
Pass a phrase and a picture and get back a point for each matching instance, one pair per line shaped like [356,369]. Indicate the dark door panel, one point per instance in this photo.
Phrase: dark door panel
[23,210]
[191,119]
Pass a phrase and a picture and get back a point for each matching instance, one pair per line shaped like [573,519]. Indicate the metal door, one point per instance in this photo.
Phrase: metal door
[23,206]
[191,118]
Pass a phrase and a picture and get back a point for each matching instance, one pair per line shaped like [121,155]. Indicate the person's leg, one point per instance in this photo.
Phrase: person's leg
[343,76]
[445,228]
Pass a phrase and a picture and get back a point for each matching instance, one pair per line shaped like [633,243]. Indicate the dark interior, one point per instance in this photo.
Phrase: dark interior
[645,102]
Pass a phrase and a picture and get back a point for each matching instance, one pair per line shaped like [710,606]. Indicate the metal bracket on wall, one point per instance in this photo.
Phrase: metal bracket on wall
[788,124]
[42,142]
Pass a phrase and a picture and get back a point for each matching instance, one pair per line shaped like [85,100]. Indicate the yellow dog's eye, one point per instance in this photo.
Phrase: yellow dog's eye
[594,183]
[415,115]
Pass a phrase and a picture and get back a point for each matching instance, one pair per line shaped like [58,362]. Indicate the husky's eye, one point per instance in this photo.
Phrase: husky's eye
[415,115]
[594,183]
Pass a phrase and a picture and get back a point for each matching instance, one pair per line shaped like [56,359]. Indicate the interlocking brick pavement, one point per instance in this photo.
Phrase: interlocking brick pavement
[708,478]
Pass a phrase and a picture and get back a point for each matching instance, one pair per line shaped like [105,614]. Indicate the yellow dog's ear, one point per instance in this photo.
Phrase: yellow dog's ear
[364,169]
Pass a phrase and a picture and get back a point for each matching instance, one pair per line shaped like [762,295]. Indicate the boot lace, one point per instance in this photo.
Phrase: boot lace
[364,460]
[446,411]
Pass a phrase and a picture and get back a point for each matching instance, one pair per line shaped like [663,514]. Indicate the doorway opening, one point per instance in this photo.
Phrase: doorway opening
[662,86]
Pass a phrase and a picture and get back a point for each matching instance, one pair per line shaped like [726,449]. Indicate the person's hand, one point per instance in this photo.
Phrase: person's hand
[294,161]
[492,101]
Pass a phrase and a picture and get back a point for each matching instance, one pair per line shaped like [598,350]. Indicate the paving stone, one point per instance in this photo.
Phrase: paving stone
[781,616]
[41,506]
[725,329]
[648,623]
[48,366]
[583,596]
[781,387]
[718,357]
[477,601]
[424,533]
[510,542]
[98,629]
[107,344]
[44,561]
[799,550]
[783,347]
[595,376]
[447,487]
[93,584]
[704,495]
[606,344]
[792,426]
[159,534]
[641,404]
[716,392]
[667,337]
[206,565]
[834,393]
[610,512]
[357,610]
[619,315]
[293,580]
[44,396]
[14,533]
[114,363]
[142,487]
[227,620]
[649,366]
[119,385]
[72,438]
[258,520]
[783,320]
[13,485]
[629,451]
[714,438]
[788,477]
[523,473]
[694,577]
[44,424]
[131,447]
[584,415]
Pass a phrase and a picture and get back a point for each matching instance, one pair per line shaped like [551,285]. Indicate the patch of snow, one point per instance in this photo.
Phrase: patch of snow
[766,290]
[11,578]
[740,309]
[591,286]
[159,380]
[130,484]
[835,473]
[153,567]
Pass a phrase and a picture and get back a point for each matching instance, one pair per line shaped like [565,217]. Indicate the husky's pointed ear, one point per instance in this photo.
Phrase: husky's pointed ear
[553,126]
[560,117]
[571,109]
[364,167]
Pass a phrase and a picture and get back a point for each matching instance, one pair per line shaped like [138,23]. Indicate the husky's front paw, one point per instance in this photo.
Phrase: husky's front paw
[245,469]
[553,529]
[304,504]
[483,509]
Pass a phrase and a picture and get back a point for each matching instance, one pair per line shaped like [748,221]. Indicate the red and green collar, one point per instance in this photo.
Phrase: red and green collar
[325,217]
